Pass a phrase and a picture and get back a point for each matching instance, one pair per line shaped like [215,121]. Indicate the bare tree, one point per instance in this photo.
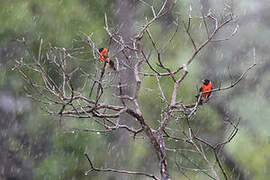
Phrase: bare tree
[66,101]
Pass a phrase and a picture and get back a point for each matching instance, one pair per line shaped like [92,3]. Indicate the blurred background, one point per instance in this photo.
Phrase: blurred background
[34,146]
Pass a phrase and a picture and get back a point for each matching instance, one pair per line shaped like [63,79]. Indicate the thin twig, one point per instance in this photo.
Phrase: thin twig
[93,168]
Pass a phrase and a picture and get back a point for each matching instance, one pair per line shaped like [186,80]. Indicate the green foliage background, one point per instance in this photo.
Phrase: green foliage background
[56,152]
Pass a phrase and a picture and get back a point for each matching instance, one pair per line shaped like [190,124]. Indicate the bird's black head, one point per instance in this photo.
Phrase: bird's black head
[206,81]
[100,49]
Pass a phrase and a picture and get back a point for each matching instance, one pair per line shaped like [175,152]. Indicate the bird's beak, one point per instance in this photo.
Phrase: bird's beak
[203,81]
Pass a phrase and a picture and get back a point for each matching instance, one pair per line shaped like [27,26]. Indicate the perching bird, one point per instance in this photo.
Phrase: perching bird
[104,57]
[103,54]
[206,86]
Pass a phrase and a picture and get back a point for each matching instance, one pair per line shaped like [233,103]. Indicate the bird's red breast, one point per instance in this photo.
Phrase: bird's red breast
[103,54]
[206,86]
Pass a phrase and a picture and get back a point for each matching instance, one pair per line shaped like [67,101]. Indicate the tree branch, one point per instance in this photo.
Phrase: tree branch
[93,168]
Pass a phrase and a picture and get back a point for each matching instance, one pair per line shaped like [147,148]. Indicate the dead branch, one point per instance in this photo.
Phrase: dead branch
[93,168]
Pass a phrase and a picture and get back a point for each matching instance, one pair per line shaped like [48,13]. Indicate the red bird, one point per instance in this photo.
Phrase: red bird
[206,86]
[104,57]
[103,54]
